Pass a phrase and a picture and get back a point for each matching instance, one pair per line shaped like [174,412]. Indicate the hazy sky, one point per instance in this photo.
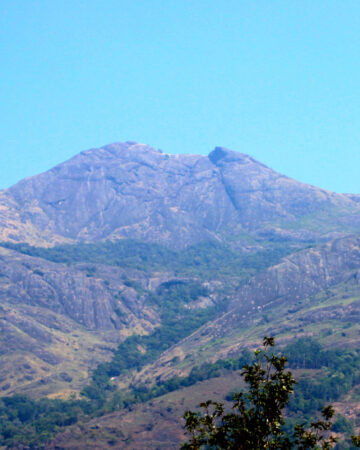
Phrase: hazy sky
[279,80]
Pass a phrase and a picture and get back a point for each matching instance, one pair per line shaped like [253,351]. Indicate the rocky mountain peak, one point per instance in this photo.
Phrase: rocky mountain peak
[133,190]
[221,155]
[117,152]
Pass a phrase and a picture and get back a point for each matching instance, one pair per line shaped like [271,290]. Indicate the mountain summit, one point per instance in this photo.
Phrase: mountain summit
[132,190]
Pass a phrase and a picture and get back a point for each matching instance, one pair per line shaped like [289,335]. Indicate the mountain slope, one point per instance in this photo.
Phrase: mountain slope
[68,318]
[279,299]
[132,190]
[55,318]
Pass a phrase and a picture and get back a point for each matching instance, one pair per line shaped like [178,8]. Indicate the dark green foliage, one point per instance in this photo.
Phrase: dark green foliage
[32,423]
[340,371]
[306,353]
[342,425]
[257,420]
[198,260]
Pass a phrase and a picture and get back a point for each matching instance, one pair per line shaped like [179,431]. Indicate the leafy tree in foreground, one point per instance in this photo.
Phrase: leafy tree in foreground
[257,418]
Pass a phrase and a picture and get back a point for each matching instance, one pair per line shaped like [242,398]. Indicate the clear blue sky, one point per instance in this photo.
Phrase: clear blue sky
[279,80]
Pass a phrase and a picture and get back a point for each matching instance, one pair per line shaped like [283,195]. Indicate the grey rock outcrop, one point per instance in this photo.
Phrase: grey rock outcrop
[132,190]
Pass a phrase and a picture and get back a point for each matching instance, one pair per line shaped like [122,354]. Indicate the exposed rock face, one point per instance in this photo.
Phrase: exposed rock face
[64,320]
[88,298]
[301,275]
[286,286]
[132,190]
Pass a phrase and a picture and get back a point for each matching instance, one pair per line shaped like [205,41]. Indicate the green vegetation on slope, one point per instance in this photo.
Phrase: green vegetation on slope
[27,421]
[198,260]
[339,372]
[31,423]
[178,320]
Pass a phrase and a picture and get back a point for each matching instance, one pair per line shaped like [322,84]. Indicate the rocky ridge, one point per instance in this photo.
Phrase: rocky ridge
[131,190]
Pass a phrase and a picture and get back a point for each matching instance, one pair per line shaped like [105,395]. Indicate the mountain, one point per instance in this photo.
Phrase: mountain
[131,190]
[127,273]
